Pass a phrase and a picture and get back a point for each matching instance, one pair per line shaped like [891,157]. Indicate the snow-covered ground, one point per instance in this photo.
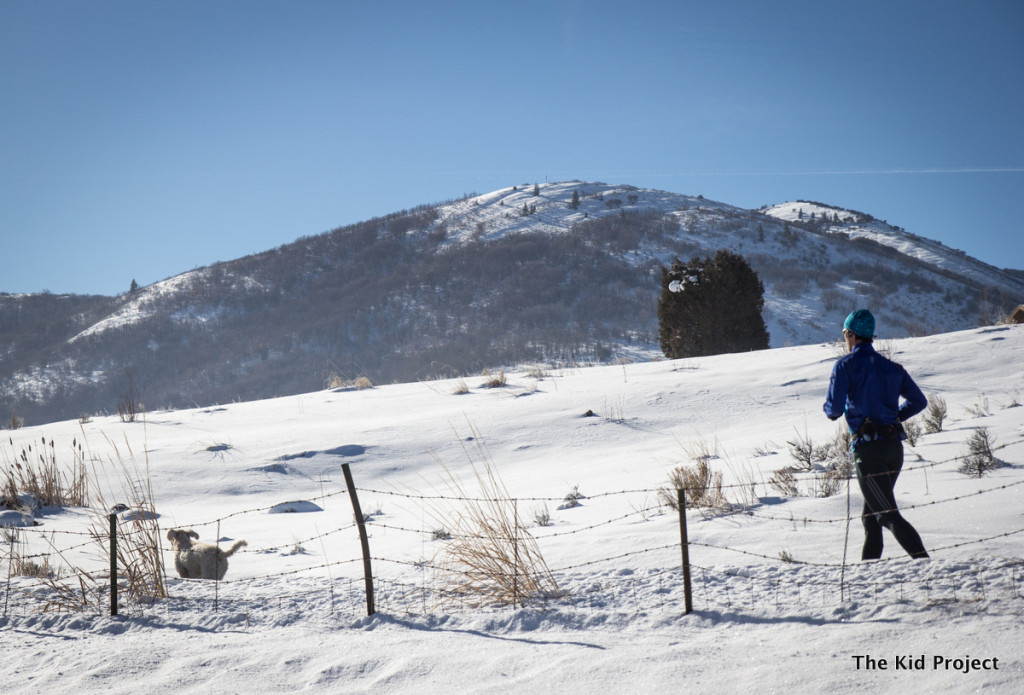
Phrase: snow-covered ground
[291,613]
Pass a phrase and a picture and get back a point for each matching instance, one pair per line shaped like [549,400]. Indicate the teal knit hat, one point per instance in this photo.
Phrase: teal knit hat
[861,323]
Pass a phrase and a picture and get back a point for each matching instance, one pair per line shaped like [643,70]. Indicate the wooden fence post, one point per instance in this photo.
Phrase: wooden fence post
[367,570]
[684,541]
[515,553]
[113,563]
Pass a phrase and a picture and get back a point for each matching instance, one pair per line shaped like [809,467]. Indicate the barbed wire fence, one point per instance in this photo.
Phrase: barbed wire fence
[421,585]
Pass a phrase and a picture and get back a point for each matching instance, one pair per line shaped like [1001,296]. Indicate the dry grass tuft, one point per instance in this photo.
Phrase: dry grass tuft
[139,556]
[914,431]
[140,565]
[494,381]
[336,381]
[979,458]
[32,477]
[490,559]
[935,414]
[20,564]
[784,482]
[537,372]
[828,483]
[825,467]
[703,487]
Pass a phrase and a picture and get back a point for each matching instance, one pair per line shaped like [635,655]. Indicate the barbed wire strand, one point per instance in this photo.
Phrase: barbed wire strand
[423,565]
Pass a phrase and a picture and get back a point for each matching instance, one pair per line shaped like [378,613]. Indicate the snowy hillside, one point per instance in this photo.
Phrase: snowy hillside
[556,274]
[781,601]
[809,285]
[140,306]
[547,209]
[857,225]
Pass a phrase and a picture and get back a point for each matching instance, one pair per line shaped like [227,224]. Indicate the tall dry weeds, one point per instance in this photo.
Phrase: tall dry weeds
[490,558]
[935,414]
[140,565]
[33,477]
[139,555]
[702,486]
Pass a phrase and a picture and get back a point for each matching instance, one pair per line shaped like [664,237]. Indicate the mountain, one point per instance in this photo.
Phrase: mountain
[558,273]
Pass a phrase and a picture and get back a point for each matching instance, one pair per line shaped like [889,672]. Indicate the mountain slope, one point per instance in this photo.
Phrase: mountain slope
[856,225]
[552,273]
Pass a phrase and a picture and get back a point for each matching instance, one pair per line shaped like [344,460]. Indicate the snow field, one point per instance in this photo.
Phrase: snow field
[291,613]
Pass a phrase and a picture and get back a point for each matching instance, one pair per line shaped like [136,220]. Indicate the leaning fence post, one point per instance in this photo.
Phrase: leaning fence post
[367,571]
[10,570]
[685,543]
[113,563]
[515,549]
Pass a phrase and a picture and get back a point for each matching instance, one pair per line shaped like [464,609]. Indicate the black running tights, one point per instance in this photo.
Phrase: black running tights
[878,465]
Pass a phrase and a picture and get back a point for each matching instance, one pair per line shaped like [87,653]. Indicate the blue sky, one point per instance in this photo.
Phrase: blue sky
[142,139]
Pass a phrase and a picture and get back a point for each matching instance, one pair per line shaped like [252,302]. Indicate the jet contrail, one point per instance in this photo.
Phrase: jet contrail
[858,172]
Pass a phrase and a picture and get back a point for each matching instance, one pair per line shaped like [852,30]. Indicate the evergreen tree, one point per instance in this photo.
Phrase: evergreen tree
[575,204]
[711,306]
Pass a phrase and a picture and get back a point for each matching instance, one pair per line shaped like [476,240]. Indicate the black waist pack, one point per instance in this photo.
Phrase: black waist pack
[870,430]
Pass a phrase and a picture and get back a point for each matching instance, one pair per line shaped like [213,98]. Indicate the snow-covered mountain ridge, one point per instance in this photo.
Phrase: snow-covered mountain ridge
[858,225]
[553,273]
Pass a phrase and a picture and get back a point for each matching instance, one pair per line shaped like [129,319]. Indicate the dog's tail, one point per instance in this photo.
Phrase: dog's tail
[236,546]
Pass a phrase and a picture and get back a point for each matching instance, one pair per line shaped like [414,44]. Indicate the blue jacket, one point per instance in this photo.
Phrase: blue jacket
[866,385]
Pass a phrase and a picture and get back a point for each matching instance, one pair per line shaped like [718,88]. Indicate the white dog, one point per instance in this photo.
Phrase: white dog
[199,560]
